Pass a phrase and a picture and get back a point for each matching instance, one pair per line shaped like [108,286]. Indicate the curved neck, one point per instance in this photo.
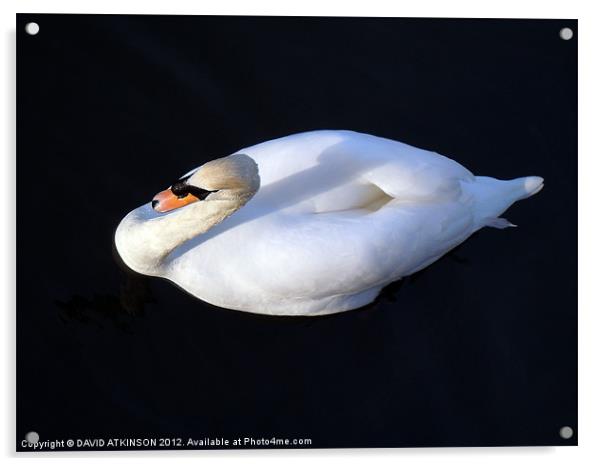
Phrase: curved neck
[145,239]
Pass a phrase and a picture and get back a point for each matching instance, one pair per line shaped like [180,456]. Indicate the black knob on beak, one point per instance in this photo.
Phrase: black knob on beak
[154,203]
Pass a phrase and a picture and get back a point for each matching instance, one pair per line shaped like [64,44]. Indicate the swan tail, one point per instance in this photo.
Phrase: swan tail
[492,197]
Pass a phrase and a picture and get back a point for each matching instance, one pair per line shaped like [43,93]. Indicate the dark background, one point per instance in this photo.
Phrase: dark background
[477,349]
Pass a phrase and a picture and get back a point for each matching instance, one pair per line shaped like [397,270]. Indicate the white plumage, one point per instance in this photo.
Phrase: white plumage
[338,215]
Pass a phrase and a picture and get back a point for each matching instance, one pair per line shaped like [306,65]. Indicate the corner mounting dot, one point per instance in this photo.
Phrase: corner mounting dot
[32,28]
[32,437]
[566,33]
[566,432]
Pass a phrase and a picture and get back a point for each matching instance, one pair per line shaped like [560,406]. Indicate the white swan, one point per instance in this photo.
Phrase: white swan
[337,216]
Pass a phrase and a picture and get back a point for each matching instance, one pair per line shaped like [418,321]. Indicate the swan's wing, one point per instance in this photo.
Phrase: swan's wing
[338,170]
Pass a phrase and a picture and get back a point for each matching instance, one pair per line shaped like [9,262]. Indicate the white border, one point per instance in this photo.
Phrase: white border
[590,308]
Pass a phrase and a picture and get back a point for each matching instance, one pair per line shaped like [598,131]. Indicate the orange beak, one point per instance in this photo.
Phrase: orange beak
[167,200]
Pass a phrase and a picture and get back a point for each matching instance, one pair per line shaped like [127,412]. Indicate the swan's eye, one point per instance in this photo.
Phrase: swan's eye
[179,189]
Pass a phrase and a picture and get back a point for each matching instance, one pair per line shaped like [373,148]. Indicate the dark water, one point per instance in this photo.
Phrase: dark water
[478,349]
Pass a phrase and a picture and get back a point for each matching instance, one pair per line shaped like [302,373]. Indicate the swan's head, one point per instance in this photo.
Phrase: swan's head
[233,178]
[212,192]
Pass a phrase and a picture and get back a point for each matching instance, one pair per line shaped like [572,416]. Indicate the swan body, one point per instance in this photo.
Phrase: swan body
[314,223]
